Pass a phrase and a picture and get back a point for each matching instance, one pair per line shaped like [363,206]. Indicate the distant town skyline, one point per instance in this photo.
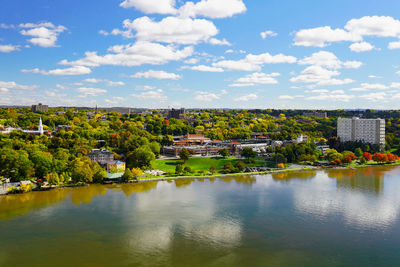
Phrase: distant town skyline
[201,54]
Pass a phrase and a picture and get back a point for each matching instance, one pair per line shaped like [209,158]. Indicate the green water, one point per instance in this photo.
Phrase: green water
[316,218]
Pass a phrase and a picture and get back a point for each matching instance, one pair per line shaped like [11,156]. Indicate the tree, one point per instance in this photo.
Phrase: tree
[224,152]
[52,178]
[228,167]
[240,166]
[358,152]
[279,158]
[212,169]
[184,154]
[248,153]
[81,171]
[187,169]
[367,156]
[127,175]
[99,175]
[140,157]
[379,157]
[136,172]
[178,169]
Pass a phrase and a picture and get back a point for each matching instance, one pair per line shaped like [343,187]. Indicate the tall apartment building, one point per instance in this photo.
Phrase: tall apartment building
[175,113]
[316,114]
[365,130]
[40,107]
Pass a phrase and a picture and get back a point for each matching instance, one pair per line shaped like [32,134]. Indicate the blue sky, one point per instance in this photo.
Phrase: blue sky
[201,54]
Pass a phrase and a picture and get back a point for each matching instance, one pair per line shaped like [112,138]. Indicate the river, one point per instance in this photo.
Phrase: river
[310,218]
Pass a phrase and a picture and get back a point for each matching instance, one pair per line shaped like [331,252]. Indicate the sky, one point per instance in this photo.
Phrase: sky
[289,54]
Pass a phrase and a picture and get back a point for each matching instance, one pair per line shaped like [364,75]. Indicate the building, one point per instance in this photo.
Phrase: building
[40,108]
[192,139]
[102,156]
[302,138]
[315,114]
[175,113]
[370,131]
[39,131]
[115,164]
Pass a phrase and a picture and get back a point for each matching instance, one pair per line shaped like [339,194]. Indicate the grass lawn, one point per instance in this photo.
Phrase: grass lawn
[202,163]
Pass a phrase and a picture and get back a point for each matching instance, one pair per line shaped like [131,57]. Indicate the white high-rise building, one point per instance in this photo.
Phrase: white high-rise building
[370,131]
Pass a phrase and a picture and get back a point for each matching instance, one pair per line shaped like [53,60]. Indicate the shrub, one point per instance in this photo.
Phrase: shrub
[26,188]
[13,190]
[240,165]
[281,165]
[187,169]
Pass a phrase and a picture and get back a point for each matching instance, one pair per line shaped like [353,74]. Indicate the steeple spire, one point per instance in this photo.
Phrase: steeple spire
[40,128]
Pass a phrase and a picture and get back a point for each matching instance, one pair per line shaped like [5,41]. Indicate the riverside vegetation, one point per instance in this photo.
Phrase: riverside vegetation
[59,157]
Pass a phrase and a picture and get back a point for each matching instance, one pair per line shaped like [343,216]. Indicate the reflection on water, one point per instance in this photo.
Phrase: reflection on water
[307,218]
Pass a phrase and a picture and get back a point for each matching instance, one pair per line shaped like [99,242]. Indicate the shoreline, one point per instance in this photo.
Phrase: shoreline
[222,175]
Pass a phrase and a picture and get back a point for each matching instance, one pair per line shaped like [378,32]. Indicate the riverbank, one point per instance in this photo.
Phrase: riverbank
[224,175]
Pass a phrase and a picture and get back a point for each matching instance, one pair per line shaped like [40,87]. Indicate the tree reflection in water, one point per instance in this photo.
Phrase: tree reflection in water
[287,176]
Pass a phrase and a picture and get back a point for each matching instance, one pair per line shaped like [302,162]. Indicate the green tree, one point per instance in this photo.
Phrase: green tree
[178,169]
[358,152]
[224,152]
[140,157]
[248,153]
[228,167]
[127,176]
[52,178]
[187,169]
[184,154]
[240,166]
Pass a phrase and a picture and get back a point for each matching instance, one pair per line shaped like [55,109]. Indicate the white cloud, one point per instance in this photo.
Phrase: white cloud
[254,62]
[114,100]
[265,34]
[354,31]
[395,85]
[6,86]
[103,32]
[90,91]
[151,6]
[331,97]
[135,54]
[215,41]
[145,87]
[328,60]
[286,97]
[108,82]
[115,83]
[398,72]
[204,68]
[374,96]
[213,8]
[319,76]
[322,36]
[74,70]
[44,34]
[192,61]
[8,48]
[156,94]
[370,86]
[394,45]
[245,98]
[361,47]
[93,80]
[381,26]
[169,30]
[206,96]
[229,51]
[155,74]
[256,78]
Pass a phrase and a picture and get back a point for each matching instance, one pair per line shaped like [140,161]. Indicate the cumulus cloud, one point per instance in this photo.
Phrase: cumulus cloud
[44,34]
[8,48]
[374,96]
[265,34]
[204,68]
[90,91]
[254,62]
[341,97]
[157,74]
[319,76]
[370,86]
[156,94]
[328,60]
[245,98]
[108,82]
[135,54]
[114,100]
[170,30]
[206,96]
[151,6]
[212,8]
[256,78]
[215,41]
[361,47]
[394,45]
[74,70]
[6,86]
[354,31]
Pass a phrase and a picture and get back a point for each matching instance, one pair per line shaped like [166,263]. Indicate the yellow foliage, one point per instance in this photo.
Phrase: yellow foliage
[281,165]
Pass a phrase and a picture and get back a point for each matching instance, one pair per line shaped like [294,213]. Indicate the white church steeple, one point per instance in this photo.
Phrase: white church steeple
[40,128]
